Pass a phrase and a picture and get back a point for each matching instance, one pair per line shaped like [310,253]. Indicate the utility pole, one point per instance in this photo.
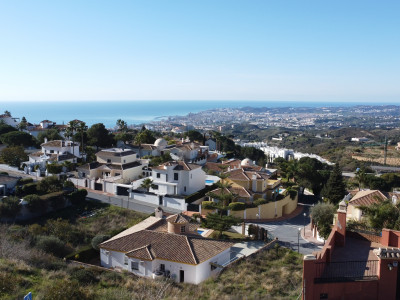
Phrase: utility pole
[385,151]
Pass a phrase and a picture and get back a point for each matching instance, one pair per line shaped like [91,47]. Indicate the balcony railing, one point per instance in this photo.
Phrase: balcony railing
[346,271]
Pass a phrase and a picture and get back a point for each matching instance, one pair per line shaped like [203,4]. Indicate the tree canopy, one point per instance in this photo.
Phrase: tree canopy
[322,215]
[99,136]
[194,135]
[51,135]
[18,138]
[14,155]
[145,137]
[335,189]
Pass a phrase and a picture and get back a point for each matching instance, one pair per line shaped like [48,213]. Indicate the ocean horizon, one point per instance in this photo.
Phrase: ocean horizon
[138,112]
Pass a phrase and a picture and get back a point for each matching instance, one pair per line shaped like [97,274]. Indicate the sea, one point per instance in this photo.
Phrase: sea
[138,112]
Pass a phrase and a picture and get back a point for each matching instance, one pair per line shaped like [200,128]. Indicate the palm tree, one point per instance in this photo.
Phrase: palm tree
[147,184]
[361,177]
[82,128]
[72,126]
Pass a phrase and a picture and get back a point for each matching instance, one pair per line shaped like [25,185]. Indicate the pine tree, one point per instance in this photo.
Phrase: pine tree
[335,189]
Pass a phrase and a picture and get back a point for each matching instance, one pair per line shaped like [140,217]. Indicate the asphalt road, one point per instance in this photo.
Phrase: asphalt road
[287,232]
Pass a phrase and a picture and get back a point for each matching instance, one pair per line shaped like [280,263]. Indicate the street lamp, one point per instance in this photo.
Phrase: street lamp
[304,231]
[298,240]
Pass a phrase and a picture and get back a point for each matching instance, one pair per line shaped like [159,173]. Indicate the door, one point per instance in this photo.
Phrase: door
[160,200]
[398,284]
[181,276]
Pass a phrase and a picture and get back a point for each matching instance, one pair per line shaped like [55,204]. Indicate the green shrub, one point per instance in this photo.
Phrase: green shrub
[25,180]
[35,203]
[235,206]
[83,276]
[9,207]
[98,239]
[51,244]
[260,201]
[208,205]
[29,188]
[54,168]
[55,199]
[78,196]
[61,289]
[49,185]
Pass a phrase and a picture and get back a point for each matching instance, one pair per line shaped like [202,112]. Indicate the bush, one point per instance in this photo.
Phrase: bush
[208,205]
[98,239]
[83,276]
[235,206]
[56,199]
[54,168]
[36,204]
[25,180]
[78,196]
[260,201]
[9,207]
[61,289]
[49,185]
[29,188]
[51,244]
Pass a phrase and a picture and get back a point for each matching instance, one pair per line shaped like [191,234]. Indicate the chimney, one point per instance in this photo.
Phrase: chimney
[159,212]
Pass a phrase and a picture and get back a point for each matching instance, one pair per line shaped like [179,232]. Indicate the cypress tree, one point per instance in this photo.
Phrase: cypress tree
[335,189]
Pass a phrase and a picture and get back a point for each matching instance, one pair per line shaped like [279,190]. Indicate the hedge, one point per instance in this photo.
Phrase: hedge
[78,196]
[235,206]
[29,188]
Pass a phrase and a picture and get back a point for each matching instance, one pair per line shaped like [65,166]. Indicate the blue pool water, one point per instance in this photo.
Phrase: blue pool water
[200,231]
[209,181]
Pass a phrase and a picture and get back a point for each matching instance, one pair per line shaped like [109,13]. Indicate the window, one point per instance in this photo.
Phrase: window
[124,160]
[162,267]
[155,187]
[176,176]
[158,175]
[51,151]
[144,173]
[117,174]
[184,188]
[183,229]
[191,176]
[135,265]
[125,260]
[108,160]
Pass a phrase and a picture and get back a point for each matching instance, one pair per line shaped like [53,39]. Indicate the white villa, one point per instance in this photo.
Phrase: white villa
[178,178]
[57,151]
[9,120]
[169,247]
[112,165]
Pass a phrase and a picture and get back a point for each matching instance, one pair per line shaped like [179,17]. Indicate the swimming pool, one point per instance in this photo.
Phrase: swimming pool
[200,231]
[209,181]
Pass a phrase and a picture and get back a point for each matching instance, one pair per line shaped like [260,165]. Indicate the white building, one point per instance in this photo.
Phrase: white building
[168,247]
[9,120]
[112,165]
[178,178]
[57,151]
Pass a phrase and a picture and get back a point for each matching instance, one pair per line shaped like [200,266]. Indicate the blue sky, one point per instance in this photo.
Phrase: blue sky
[183,50]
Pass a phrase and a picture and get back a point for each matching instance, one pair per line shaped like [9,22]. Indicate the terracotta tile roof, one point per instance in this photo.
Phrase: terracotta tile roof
[141,253]
[212,157]
[145,224]
[214,167]
[367,198]
[173,247]
[178,219]
[233,162]
[238,174]
[162,226]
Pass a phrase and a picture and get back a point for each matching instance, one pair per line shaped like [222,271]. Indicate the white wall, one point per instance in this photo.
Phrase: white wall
[192,273]
[171,202]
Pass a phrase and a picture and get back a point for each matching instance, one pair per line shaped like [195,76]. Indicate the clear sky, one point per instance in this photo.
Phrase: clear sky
[256,50]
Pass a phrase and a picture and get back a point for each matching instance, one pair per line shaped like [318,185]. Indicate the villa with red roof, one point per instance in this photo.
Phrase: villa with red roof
[166,247]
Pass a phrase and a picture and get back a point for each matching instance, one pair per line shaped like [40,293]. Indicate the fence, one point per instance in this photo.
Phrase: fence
[346,271]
